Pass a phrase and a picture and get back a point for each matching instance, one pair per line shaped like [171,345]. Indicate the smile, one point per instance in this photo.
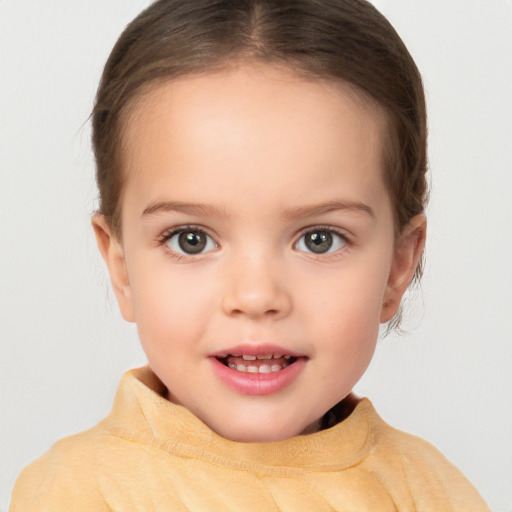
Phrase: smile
[258,371]
[265,363]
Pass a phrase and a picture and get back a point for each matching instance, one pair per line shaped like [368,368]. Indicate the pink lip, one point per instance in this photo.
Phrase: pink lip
[255,350]
[257,384]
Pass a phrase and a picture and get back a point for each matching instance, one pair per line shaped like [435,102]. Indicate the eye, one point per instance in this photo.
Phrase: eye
[190,241]
[321,241]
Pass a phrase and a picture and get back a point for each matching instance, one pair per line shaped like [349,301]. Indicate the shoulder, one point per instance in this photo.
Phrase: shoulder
[85,470]
[65,477]
[413,466]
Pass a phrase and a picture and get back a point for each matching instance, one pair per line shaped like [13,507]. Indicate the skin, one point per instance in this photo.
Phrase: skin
[268,156]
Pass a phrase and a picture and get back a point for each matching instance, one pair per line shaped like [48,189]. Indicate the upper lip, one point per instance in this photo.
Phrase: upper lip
[255,350]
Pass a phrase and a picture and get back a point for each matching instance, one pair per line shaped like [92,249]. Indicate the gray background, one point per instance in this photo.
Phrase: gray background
[63,345]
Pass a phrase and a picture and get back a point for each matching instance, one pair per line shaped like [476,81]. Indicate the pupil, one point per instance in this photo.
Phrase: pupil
[192,242]
[319,241]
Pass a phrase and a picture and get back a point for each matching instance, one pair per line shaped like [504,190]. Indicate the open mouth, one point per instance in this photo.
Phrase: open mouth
[266,363]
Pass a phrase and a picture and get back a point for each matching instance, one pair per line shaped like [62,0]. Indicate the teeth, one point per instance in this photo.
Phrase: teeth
[247,357]
[264,368]
[253,367]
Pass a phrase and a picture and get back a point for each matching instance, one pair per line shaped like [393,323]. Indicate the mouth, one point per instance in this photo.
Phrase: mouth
[261,363]
[258,370]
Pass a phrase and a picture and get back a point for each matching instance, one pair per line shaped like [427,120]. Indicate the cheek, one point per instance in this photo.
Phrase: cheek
[346,315]
[349,345]
[352,328]
[168,304]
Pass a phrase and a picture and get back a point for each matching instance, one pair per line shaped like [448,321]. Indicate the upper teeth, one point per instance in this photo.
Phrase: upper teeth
[247,357]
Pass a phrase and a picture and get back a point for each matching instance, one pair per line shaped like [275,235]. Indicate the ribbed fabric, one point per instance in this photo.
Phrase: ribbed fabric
[152,455]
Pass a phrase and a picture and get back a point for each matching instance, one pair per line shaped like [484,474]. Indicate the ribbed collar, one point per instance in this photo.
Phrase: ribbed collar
[140,413]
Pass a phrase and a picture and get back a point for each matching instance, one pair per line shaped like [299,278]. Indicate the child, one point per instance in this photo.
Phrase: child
[261,168]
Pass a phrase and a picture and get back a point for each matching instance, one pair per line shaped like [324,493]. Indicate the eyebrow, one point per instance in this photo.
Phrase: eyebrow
[207,210]
[322,208]
[203,210]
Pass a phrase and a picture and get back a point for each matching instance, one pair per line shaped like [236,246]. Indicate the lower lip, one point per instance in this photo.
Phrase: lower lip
[258,384]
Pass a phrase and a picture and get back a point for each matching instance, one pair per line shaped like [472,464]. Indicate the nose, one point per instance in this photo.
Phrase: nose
[257,289]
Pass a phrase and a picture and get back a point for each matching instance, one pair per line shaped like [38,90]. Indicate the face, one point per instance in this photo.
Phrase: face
[258,254]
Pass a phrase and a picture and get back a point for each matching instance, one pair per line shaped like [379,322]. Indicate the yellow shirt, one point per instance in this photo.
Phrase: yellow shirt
[151,455]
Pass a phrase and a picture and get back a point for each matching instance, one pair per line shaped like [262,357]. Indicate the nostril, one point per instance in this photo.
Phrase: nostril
[248,312]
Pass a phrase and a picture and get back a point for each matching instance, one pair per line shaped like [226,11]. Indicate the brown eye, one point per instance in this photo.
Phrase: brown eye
[320,241]
[190,242]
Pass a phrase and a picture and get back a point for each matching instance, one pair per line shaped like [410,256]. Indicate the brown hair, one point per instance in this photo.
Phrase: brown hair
[340,40]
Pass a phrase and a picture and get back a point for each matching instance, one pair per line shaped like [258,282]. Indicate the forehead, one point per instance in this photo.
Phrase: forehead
[258,119]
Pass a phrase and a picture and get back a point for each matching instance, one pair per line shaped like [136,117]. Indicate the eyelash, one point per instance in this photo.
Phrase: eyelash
[329,229]
[170,233]
[167,235]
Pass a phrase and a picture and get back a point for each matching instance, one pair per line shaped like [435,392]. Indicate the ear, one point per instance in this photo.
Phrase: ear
[407,254]
[112,252]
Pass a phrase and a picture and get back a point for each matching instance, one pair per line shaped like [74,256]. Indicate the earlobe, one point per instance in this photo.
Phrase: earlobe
[407,254]
[112,253]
